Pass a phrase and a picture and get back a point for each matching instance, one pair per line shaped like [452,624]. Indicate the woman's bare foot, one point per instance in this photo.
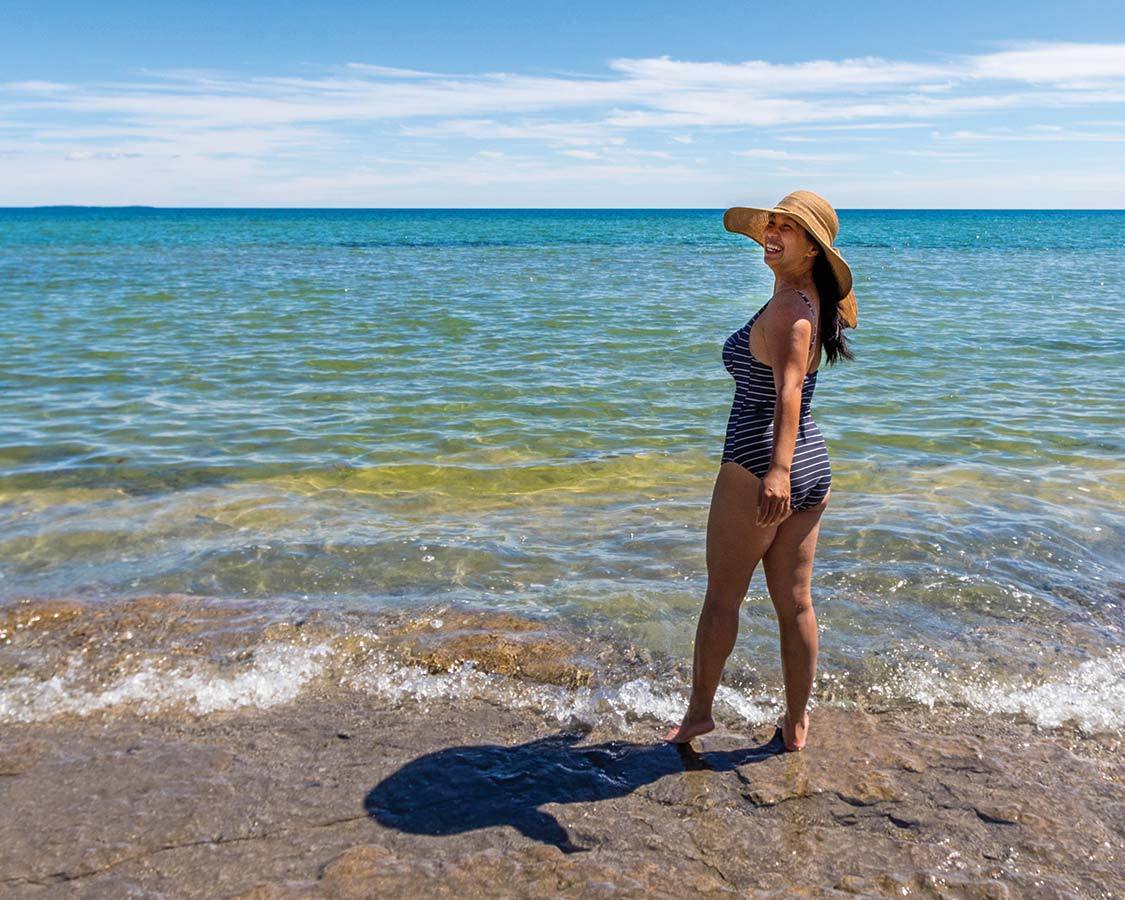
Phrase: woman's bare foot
[794,738]
[691,726]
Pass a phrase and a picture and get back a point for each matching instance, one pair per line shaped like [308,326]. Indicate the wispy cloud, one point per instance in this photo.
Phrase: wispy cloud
[1032,134]
[639,115]
[1061,64]
[82,155]
[576,133]
[390,72]
[766,153]
[33,87]
[641,93]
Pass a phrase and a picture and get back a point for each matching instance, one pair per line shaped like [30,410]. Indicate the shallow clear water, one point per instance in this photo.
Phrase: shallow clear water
[523,410]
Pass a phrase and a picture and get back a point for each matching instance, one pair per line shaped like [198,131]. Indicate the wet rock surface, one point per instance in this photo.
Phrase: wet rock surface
[498,643]
[335,795]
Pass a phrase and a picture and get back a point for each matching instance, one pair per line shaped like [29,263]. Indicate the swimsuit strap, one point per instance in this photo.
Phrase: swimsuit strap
[816,319]
[816,328]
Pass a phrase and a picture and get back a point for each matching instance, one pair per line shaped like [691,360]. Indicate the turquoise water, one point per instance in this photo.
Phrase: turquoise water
[524,410]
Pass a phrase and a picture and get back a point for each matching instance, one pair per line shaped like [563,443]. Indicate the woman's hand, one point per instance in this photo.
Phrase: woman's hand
[773,497]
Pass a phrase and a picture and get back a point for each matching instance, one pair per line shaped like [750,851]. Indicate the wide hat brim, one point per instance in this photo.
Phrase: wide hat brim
[751,221]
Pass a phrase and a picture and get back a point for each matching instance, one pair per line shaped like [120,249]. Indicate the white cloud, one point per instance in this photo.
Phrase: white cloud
[574,133]
[764,153]
[641,93]
[82,155]
[34,87]
[372,126]
[1054,63]
[1032,134]
[862,126]
[764,78]
[390,72]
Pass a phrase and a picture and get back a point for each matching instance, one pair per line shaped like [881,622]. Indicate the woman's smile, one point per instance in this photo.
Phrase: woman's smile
[777,227]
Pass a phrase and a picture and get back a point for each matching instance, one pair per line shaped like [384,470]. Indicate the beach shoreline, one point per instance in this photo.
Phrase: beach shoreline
[338,789]
[337,796]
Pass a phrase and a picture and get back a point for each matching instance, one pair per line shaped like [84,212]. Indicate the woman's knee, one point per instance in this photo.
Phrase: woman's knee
[723,596]
[791,607]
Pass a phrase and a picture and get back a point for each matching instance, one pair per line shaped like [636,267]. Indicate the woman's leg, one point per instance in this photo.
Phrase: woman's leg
[734,547]
[788,563]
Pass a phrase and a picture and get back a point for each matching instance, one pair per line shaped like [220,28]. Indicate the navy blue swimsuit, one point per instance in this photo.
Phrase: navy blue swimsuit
[750,428]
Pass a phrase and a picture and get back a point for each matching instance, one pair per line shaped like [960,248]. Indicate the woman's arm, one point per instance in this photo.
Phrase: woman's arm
[788,333]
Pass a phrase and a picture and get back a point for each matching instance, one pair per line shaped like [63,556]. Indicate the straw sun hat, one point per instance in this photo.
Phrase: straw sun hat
[819,220]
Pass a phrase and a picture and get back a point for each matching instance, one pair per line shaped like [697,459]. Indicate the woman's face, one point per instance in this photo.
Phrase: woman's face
[788,247]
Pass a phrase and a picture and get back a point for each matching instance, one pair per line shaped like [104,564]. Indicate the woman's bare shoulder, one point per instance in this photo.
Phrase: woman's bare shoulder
[789,306]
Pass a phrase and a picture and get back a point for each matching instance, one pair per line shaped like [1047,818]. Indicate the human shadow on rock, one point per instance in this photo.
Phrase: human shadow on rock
[460,789]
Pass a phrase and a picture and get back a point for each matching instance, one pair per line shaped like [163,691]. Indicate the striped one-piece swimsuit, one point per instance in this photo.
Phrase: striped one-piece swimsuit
[749,439]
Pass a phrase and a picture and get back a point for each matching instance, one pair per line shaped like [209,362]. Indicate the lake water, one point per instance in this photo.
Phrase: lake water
[523,411]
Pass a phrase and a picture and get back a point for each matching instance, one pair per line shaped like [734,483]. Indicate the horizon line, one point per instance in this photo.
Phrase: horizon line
[138,206]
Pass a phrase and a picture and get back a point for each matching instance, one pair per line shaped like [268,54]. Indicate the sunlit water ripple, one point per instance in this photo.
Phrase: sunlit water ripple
[524,411]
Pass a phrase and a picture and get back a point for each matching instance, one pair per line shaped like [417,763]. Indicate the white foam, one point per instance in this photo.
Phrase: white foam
[1092,694]
[623,706]
[276,675]
[278,672]
[754,710]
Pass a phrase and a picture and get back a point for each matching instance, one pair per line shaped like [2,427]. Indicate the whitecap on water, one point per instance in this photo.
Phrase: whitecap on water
[624,705]
[276,675]
[1092,694]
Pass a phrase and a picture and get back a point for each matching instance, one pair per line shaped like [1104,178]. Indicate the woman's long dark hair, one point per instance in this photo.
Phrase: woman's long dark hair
[832,330]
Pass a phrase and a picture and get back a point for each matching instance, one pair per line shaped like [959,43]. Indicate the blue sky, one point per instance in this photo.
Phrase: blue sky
[581,104]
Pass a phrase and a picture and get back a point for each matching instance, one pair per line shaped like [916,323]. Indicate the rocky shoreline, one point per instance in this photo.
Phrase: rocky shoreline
[336,795]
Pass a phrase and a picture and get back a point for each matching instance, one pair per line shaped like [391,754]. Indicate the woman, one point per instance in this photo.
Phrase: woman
[774,480]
